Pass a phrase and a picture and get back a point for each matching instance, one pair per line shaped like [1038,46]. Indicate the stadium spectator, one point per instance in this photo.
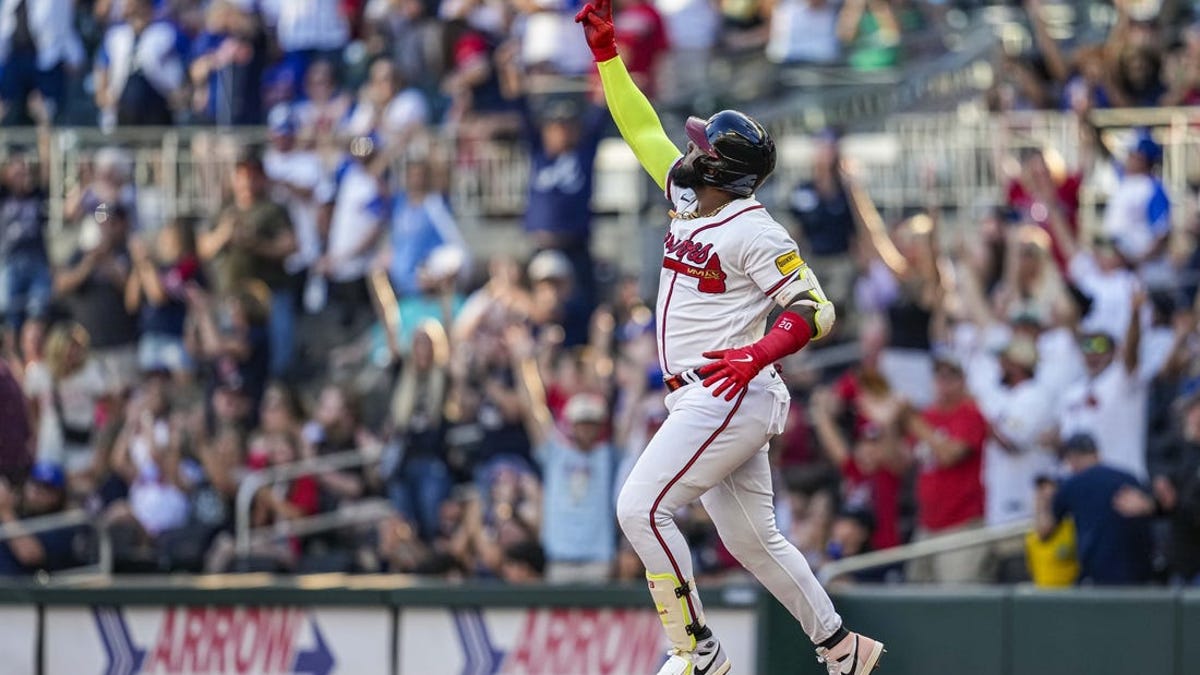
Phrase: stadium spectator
[386,106]
[1110,403]
[252,240]
[229,337]
[16,434]
[523,563]
[307,32]
[1103,279]
[139,71]
[147,457]
[1035,192]
[1184,71]
[641,40]
[693,30]
[91,287]
[352,221]
[226,67]
[416,474]
[1109,507]
[1176,487]
[38,46]
[43,494]
[157,291]
[851,534]
[871,32]
[1001,359]
[873,468]
[322,110]
[407,28]
[578,532]
[803,32]
[1052,561]
[556,307]
[470,78]
[296,175]
[827,225]
[1138,214]
[949,449]
[106,180]
[563,137]
[420,223]
[334,428]
[25,281]
[902,282]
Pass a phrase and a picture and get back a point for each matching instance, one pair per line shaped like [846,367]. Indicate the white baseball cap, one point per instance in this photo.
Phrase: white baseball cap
[549,264]
[586,408]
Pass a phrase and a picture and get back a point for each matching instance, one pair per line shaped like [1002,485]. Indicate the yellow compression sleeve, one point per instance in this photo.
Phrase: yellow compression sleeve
[636,120]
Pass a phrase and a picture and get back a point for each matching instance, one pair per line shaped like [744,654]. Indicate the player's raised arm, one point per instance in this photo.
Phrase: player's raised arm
[635,117]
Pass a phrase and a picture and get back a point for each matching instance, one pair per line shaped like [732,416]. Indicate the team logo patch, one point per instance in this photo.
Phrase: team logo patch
[788,262]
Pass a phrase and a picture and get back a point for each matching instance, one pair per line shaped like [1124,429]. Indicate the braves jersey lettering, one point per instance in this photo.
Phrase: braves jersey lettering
[719,278]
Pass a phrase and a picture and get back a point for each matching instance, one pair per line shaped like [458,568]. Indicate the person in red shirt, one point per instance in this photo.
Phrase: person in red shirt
[641,41]
[872,469]
[949,438]
[1035,190]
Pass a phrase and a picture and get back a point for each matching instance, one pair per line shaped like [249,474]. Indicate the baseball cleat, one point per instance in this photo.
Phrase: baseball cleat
[707,659]
[854,655]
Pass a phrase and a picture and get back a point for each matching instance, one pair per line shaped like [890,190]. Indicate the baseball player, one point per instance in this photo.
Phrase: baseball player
[726,263]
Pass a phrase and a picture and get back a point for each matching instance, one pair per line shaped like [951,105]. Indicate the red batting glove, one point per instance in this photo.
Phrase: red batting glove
[733,369]
[598,29]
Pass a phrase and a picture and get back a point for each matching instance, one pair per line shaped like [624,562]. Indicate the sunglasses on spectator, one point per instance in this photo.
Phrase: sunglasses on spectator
[1096,344]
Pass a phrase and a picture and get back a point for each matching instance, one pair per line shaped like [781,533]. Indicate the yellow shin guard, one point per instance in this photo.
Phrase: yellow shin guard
[671,600]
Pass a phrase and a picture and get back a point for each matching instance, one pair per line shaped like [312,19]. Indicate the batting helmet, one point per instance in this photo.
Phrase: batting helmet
[738,152]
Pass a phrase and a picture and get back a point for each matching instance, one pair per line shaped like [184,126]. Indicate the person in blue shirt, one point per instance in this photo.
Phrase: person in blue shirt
[578,469]
[563,137]
[421,223]
[227,65]
[1110,509]
[25,280]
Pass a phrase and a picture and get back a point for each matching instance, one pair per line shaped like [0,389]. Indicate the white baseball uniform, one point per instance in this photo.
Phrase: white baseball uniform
[720,277]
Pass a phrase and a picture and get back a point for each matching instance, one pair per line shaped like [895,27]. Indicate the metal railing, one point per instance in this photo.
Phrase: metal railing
[949,156]
[244,535]
[360,512]
[64,520]
[958,541]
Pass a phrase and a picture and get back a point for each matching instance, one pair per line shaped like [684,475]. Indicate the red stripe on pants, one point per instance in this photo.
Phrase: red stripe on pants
[673,481]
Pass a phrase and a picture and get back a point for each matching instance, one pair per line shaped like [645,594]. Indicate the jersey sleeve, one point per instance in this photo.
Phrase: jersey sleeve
[772,260]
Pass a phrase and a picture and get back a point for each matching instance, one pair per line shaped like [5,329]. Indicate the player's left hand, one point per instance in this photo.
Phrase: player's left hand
[731,370]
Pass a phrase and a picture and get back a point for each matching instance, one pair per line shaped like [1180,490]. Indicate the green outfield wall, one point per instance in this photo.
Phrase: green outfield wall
[333,624]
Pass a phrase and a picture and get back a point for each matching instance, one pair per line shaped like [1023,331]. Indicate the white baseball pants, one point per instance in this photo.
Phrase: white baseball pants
[716,450]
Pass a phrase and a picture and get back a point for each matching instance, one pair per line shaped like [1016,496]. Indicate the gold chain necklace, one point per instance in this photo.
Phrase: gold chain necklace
[692,215]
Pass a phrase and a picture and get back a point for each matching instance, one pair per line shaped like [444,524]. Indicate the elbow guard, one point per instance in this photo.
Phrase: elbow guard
[806,290]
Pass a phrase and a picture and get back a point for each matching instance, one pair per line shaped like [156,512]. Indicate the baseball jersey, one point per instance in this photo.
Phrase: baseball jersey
[719,278]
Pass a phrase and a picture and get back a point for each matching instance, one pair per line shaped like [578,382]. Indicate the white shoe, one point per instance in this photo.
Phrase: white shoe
[706,659]
[854,655]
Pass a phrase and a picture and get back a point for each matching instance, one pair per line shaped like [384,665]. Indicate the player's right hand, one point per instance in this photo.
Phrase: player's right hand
[598,28]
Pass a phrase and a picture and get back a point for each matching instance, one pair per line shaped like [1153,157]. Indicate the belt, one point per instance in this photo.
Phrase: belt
[681,380]
[692,377]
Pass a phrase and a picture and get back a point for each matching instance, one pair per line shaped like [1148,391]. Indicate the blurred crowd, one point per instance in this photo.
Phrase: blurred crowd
[128,63]
[1149,58]
[1018,367]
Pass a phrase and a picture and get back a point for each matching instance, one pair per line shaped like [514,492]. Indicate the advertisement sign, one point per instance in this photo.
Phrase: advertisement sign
[217,641]
[18,640]
[553,641]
